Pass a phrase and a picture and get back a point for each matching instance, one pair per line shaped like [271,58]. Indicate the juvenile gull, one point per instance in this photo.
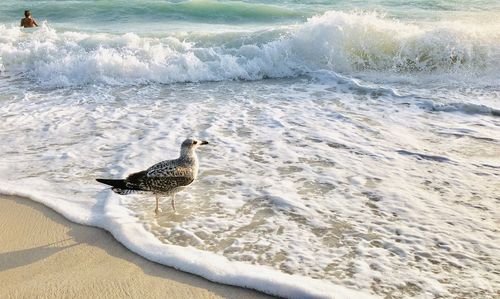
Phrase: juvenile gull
[164,178]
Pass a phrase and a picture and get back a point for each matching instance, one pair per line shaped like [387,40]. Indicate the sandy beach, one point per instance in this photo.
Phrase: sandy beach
[43,255]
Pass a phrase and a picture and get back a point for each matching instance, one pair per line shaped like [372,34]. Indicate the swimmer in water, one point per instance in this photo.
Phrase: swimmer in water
[28,21]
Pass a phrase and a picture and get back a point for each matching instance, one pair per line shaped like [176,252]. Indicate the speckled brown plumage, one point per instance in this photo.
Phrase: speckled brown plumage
[164,178]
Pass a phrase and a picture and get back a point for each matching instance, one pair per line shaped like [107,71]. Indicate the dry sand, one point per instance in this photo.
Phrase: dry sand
[43,255]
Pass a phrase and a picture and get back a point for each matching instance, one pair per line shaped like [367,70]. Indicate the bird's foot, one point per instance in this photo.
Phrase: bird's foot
[158,211]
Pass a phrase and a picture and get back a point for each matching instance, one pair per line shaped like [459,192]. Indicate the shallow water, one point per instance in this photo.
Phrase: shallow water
[359,149]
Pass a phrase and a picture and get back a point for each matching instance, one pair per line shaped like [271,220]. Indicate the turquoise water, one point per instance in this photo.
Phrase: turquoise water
[354,144]
[160,16]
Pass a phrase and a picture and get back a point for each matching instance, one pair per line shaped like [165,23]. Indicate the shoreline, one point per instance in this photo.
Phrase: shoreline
[42,254]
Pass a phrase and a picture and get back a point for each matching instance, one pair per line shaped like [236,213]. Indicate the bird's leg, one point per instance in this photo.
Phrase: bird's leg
[173,202]
[157,210]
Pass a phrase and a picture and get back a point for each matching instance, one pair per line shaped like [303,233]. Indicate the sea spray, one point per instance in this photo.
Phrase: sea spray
[340,42]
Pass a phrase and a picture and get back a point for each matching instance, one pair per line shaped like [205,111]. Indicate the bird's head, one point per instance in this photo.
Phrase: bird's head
[190,145]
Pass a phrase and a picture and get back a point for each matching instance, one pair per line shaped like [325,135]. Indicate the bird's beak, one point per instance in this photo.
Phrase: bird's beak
[203,142]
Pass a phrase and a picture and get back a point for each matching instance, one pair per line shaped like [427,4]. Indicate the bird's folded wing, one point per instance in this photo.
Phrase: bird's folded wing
[165,183]
[180,181]
[167,169]
[167,175]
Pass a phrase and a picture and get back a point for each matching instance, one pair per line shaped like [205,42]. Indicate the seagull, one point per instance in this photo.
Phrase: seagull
[164,178]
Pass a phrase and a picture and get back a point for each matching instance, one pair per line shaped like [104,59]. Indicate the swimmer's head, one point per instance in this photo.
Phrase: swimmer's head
[27,13]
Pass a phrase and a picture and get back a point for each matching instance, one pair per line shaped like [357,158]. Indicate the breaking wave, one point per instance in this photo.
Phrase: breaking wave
[336,41]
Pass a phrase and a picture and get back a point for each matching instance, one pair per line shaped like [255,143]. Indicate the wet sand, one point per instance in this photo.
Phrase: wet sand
[43,255]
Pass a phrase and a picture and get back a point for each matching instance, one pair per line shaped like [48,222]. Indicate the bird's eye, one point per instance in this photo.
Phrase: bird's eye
[195,142]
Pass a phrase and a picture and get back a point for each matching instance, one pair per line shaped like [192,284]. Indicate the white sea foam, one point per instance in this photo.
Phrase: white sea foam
[335,41]
[116,219]
[297,179]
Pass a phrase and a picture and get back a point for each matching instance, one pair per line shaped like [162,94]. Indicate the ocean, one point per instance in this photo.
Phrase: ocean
[354,145]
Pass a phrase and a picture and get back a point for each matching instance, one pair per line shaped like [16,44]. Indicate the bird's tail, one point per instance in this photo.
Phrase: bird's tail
[118,186]
[114,183]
